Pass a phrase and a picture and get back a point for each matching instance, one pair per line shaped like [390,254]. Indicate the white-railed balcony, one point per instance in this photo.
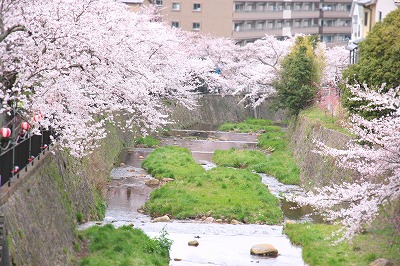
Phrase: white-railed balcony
[257,15]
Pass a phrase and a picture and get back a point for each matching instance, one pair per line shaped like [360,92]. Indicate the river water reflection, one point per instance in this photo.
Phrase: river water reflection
[220,244]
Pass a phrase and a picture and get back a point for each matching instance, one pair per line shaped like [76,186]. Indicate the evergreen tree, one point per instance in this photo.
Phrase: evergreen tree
[300,69]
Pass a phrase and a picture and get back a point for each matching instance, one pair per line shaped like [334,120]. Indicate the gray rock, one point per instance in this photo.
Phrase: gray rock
[267,250]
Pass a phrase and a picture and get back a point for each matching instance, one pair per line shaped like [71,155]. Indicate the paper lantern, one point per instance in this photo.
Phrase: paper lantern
[25,126]
[36,118]
[5,132]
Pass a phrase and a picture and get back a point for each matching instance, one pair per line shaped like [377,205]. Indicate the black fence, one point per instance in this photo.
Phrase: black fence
[16,155]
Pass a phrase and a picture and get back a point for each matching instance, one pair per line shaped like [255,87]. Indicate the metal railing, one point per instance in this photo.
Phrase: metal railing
[18,152]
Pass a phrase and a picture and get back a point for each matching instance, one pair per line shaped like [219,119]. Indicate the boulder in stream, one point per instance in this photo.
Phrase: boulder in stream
[193,243]
[164,218]
[152,182]
[266,250]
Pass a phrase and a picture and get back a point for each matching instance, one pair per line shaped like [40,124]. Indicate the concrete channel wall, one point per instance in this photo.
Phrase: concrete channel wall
[317,170]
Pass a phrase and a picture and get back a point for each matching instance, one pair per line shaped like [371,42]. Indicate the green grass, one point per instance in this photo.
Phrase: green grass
[238,158]
[123,246]
[148,142]
[250,125]
[279,164]
[319,248]
[172,162]
[325,119]
[223,193]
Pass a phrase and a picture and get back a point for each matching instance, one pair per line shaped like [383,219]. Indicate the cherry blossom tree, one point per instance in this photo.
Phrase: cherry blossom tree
[81,63]
[336,59]
[374,155]
[247,70]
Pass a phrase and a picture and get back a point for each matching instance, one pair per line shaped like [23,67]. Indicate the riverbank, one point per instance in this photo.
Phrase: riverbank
[219,242]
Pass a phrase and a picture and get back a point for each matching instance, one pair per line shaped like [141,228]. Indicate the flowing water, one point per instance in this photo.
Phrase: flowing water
[219,244]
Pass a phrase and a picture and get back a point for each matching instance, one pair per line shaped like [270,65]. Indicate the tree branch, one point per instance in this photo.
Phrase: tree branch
[14,28]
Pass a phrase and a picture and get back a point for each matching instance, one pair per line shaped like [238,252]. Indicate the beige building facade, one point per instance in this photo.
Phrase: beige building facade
[246,21]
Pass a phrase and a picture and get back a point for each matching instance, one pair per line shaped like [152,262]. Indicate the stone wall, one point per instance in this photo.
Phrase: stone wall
[41,214]
[217,109]
[315,169]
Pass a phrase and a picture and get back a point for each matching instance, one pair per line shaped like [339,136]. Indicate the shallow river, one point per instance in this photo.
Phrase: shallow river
[219,244]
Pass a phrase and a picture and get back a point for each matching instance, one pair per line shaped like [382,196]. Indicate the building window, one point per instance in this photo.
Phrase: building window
[196,26]
[297,23]
[365,18]
[175,24]
[260,25]
[239,7]
[238,26]
[327,38]
[260,7]
[307,6]
[158,2]
[380,15]
[196,7]
[176,6]
[288,6]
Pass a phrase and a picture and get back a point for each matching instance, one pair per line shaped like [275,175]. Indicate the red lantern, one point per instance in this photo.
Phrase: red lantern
[36,118]
[5,132]
[25,126]
[15,170]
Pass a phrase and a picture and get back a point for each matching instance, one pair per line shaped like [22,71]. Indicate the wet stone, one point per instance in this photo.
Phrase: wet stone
[164,218]
[267,250]
[209,220]
[193,243]
[152,182]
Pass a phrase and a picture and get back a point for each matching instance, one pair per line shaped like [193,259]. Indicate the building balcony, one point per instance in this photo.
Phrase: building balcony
[336,14]
[304,14]
[305,30]
[257,15]
[336,30]
[255,34]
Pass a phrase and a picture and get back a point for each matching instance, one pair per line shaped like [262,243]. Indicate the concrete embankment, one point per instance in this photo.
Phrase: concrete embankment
[317,170]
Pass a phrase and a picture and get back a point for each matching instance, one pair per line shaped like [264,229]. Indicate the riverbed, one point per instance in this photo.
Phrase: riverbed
[219,244]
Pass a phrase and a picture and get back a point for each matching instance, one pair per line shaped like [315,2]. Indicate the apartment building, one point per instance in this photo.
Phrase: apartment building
[246,21]
[365,14]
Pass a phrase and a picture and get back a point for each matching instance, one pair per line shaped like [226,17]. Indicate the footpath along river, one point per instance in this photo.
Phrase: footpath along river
[219,244]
